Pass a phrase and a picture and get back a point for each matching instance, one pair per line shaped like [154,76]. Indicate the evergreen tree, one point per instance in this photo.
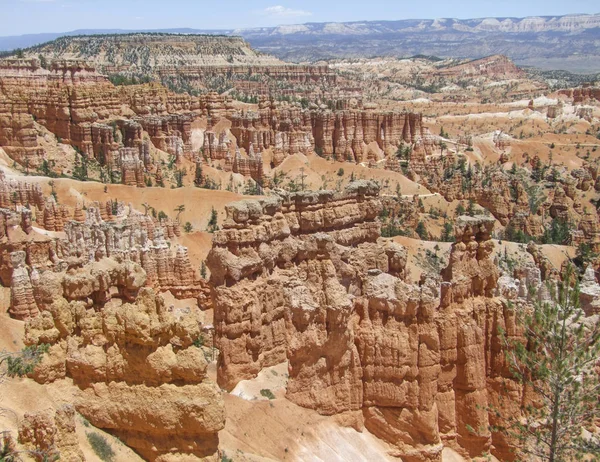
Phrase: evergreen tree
[212,222]
[198,179]
[471,209]
[447,232]
[421,231]
[557,362]
[179,209]
[80,169]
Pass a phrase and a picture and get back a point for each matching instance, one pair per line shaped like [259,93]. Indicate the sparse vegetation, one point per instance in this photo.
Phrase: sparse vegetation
[267,393]
[557,364]
[212,222]
[199,342]
[101,446]
[24,363]
[421,231]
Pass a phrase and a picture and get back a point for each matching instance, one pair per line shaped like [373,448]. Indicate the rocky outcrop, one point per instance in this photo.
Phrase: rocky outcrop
[501,140]
[589,292]
[141,239]
[344,135]
[555,111]
[83,109]
[19,193]
[191,62]
[132,167]
[95,235]
[138,372]
[496,66]
[51,436]
[305,277]
[171,133]
[17,235]
[582,94]
[22,302]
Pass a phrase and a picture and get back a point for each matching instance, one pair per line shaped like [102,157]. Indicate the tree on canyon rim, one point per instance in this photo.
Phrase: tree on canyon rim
[559,362]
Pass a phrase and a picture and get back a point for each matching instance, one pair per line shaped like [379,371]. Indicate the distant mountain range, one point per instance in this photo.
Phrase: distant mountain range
[569,42]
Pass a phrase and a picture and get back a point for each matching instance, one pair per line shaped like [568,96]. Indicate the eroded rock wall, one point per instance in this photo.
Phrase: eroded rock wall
[306,278]
[345,135]
[138,371]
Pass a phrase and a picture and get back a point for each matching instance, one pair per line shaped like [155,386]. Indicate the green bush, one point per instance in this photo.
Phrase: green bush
[267,393]
[101,446]
[199,342]
[24,363]
[421,231]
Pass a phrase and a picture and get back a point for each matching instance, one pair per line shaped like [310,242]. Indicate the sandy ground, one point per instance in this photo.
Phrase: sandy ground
[198,202]
[259,429]
[321,173]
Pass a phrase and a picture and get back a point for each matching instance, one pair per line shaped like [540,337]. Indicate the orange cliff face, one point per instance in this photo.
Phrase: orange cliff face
[344,135]
[120,126]
[103,231]
[306,278]
[91,292]
[77,104]
[138,372]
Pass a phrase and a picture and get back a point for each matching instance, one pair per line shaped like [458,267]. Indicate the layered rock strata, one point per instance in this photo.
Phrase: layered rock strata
[93,236]
[306,278]
[342,135]
[138,372]
[51,436]
[88,112]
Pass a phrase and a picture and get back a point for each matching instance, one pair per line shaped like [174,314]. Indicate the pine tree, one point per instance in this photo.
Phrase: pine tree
[557,362]
[198,179]
[212,223]
[80,168]
[179,209]
[471,209]
[447,232]
[421,231]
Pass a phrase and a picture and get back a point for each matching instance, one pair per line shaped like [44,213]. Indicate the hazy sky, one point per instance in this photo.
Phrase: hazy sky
[33,16]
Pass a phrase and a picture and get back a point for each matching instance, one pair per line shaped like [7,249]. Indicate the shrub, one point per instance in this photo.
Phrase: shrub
[24,363]
[212,223]
[100,446]
[267,393]
[187,227]
[8,451]
[179,174]
[340,172]
[199,342]
[557,233]
[421,231]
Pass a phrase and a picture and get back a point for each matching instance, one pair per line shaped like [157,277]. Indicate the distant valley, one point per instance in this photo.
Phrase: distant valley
[570,43]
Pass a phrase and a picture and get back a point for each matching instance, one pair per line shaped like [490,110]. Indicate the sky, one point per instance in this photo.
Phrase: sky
[35,16]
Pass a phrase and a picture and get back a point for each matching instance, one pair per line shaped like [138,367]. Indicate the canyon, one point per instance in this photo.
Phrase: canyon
[237,257]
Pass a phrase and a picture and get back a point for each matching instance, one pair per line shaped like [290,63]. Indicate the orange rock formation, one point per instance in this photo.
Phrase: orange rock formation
[305,277]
